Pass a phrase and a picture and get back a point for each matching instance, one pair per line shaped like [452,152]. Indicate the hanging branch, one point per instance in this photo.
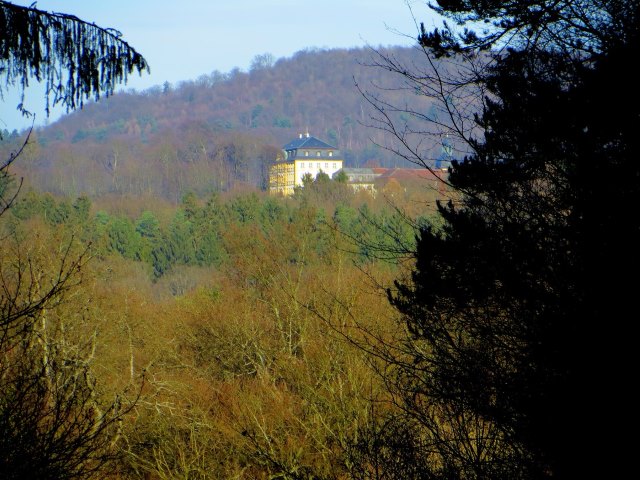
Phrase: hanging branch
[75,59]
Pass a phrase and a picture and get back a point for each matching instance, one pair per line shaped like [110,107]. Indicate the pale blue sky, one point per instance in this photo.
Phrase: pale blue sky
[184,39]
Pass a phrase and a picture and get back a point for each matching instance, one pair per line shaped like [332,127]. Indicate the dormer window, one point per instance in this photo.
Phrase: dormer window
[306,153]
[331,154]
[318,153]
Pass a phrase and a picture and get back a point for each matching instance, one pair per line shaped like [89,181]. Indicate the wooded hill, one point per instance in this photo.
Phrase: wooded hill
[219,130]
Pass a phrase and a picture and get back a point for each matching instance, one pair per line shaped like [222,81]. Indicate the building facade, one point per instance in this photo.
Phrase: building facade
[360,179]
[373,179]
[302,156]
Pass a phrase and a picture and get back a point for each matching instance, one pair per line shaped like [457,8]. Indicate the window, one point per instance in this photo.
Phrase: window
[334,164]
[302,165]
[326,165]
[331,155]
[306,153]
[318,153]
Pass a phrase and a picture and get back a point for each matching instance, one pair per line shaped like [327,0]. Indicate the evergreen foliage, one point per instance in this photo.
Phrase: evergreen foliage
[515,306]
[76,60]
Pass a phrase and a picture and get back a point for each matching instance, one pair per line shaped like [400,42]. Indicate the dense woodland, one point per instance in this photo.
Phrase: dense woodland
[162,317]
[220,130]
[224,320]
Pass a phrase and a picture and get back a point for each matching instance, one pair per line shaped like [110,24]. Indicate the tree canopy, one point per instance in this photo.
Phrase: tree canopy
[579,28]
[516,303]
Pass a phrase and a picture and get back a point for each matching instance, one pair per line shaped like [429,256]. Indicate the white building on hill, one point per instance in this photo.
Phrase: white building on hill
[304,155]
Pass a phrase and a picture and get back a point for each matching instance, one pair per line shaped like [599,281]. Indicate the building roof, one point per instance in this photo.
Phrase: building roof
[358,175]
[408,173]
[355,171]
[307,141]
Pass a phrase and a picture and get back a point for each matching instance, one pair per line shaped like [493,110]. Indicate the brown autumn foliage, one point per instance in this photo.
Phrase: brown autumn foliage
[60,415]
[257,385]
[248,370]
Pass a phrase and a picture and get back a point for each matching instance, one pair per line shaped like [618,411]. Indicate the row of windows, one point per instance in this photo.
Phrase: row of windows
[318,153]
[318,165]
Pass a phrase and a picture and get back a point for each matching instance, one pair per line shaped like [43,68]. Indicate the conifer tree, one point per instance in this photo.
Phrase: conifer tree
[515,307]
[76,60]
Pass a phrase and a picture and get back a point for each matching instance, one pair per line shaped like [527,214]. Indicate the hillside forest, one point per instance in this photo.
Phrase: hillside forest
[218,131]
[163,317]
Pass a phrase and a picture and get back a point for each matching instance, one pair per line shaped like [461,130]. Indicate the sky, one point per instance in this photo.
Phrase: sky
[182,40]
